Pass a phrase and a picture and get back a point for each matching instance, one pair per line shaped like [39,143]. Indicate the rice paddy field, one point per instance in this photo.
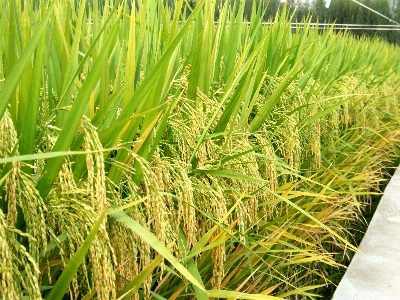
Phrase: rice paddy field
[149,151]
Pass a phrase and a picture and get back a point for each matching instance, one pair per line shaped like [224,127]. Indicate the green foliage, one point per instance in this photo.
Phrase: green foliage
[349,12]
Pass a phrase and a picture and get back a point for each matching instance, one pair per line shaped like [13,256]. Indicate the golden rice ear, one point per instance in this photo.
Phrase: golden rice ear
[285,137]
[103,274]
[14,257]
[155,206]
[34,209]
[65,180]
[310,137]
[186,210]
[24,195]
[209,197]
[131,253]
[173,178]
[8,143]
[125,246]
[219,259]
[96,181]
[9,287]
[187,122]
[288,143]
[315,140]
[32,271]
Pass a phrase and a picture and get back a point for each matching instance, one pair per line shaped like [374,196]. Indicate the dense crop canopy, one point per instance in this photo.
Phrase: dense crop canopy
[183,151]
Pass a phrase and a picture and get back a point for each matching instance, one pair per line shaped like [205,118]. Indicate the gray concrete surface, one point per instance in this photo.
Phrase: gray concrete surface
[374,274]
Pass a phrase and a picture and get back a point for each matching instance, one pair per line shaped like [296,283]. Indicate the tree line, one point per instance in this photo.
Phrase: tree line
[349,12]
[339,12]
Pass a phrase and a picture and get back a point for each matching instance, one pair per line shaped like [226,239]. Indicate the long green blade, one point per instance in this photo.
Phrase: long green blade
[62,284]
[14,77]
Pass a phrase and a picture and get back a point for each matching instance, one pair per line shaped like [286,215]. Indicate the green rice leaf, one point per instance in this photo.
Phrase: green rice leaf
[14,77]
[62,284]
[129,289]
[237,295]
[79,107]
[154,243]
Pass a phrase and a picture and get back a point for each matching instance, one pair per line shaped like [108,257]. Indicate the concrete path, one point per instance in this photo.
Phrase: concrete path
[375,273]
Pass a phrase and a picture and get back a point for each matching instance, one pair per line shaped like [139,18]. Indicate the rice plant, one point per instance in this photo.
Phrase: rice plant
[155,151]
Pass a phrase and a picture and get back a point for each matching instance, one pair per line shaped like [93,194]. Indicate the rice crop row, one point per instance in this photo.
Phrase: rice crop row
[149,151]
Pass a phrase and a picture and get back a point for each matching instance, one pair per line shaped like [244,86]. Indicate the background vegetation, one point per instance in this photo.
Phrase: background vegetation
[155,153]
[339,12]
